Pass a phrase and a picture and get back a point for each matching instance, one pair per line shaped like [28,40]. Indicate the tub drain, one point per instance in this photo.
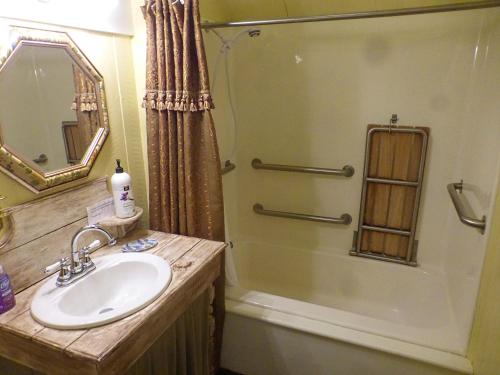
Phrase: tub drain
[105,310]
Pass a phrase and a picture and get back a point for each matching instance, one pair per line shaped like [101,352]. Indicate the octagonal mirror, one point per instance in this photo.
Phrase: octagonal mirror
[53,118]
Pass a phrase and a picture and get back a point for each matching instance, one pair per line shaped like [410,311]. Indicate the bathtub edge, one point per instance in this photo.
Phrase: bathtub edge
[392,346]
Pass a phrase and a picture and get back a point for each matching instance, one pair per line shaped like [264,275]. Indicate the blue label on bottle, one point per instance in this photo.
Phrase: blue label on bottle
[5,284]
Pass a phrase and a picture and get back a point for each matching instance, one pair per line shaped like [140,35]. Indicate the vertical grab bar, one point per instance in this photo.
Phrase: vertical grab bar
[455,190]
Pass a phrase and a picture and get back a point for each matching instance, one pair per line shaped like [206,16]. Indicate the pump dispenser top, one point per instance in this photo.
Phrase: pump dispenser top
[119,168]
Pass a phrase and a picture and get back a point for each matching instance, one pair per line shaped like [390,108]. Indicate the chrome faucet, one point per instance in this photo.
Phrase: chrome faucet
[79,263]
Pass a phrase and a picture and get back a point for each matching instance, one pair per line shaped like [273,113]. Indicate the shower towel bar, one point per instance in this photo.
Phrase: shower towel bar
[228,167]
[344,219]
[346,171]
[463,212]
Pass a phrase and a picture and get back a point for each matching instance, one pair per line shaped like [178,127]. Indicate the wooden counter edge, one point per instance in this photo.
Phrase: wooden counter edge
[45,359]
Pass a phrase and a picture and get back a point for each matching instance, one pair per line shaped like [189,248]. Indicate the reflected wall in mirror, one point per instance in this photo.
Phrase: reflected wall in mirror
[53,118]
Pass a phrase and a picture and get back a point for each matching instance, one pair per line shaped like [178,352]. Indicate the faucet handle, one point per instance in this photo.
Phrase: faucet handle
[94,245]
[86,260]
[87,250]
[59,265]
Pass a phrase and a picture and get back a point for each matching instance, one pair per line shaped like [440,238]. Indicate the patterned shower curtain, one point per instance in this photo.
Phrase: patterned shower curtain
[185,186]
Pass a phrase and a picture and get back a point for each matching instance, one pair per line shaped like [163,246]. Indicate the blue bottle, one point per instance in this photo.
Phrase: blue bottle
[7,299]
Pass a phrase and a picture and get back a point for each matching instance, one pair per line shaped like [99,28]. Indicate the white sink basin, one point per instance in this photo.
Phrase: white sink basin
[120,285]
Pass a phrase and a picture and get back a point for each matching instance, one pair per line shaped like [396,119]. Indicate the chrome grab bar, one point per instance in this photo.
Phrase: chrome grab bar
[346,171]
[228,167]
[344,219]
[463,211]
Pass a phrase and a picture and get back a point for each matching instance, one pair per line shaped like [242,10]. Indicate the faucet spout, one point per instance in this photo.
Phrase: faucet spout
[76,265]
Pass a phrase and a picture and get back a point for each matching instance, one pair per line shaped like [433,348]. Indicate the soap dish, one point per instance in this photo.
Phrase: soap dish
[139,245]
[120,227]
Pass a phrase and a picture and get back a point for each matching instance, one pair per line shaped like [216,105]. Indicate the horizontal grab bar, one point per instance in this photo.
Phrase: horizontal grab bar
[228,167]
[346,171]
[455,190]
[344,219]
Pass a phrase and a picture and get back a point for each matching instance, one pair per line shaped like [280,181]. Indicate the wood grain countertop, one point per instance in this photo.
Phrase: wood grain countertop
[112,348]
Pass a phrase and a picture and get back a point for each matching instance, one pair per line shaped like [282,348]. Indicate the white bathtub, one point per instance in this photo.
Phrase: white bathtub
[329,313]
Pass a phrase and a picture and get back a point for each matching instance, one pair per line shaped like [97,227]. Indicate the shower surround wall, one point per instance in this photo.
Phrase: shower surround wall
[304,93]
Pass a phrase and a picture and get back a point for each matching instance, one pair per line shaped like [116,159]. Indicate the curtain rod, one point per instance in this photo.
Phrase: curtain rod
[359,15]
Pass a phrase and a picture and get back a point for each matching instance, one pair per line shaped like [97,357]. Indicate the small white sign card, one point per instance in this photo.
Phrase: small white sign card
[100,211]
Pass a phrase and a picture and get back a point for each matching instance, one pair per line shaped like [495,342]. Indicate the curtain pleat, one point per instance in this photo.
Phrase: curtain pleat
[181,349]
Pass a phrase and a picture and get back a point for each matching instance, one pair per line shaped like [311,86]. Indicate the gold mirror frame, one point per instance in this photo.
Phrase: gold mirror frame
[6,226]
[12,164]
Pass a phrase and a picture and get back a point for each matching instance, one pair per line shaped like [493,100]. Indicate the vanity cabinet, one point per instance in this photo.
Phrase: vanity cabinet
[115,347]
[118,347]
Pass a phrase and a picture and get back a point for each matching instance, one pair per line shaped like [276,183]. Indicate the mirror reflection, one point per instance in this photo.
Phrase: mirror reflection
[49,111]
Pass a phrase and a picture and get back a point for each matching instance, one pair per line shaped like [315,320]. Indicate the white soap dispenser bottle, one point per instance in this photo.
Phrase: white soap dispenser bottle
[123,197]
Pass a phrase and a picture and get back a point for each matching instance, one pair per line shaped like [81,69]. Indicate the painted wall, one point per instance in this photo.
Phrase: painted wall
[112,56]
[113,16]
[139,60]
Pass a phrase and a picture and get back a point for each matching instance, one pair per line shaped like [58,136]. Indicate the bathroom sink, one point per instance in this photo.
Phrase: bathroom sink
[120,285]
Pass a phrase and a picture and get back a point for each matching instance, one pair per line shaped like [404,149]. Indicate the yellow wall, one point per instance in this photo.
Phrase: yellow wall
[484,349]
[112,56]
[232,10]
[139,59]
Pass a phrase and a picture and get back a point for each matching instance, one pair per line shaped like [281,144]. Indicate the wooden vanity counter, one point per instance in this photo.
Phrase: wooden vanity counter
[112,348]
